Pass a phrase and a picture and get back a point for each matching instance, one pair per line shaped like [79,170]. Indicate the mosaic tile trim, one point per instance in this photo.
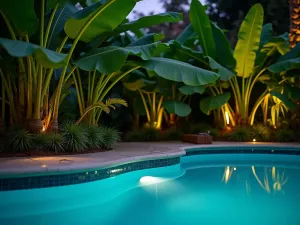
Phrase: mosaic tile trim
[7,184]
[244,150]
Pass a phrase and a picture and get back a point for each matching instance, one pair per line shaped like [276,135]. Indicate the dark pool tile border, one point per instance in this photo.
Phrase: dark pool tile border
[244,150]
[43,181]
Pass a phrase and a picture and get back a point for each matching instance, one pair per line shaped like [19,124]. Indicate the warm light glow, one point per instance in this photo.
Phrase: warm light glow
[254,140]
[148,180]
[43,129]
[227,117]
[44,166]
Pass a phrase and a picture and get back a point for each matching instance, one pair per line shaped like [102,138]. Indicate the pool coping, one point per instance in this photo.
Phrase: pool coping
[123,153]
[40,172]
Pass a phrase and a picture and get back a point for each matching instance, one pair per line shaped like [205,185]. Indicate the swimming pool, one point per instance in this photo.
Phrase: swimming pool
[203,189]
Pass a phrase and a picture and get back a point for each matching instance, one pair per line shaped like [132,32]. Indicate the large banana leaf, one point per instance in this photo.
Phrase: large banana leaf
[147,39]
[225,74]
[48,58]
[184,53]
[112,58]
[21,14]
[293,53]
[266,34]
[186,34]
[201,25]
[59,20]
[291,105]
[101,18]
[274,46]
[179,108]
[179,71]
[147,21]
[224,54]
[248,41]
[286,65]
[213,102]
[189,90]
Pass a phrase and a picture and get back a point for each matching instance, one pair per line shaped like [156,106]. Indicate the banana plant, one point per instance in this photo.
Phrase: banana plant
[159,98]
[28,92]
[61,29]
[257,57]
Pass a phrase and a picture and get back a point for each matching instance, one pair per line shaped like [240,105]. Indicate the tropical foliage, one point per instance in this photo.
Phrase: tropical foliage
[53,51]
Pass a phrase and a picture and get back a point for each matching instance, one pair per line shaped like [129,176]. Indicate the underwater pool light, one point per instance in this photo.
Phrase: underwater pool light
[148,180]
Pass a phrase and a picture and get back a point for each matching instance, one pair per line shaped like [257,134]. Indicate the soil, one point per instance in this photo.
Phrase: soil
[45,153]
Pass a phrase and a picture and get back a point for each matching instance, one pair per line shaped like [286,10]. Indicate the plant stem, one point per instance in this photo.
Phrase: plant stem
[82,30]
[255,107]
[50,24]
[42,23]
[145,105]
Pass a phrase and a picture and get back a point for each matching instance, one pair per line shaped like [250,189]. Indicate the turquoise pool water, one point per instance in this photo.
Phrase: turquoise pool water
[231,189]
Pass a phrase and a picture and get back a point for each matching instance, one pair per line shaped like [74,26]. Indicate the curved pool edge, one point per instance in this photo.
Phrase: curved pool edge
[157,155]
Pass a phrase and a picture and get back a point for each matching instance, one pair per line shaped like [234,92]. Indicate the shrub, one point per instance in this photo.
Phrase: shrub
[200,128]
[261,132]
[94,136]
[2,144]
[40,141]
[144,134]
[55,142]
[19,139]
[215,132]
[75,137]
[284,135]
[110,136]
[171,134]
[240,134]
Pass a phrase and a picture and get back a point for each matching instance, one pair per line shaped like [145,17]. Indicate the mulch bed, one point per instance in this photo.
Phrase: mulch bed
[45,153]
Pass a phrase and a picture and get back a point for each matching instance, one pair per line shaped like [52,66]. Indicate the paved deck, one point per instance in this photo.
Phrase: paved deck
[123,152]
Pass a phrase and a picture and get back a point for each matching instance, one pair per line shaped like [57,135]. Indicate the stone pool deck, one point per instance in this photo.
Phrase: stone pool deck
[123,152]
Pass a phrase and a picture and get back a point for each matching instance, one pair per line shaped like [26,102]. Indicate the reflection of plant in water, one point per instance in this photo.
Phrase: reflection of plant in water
[279,180]
[228,173]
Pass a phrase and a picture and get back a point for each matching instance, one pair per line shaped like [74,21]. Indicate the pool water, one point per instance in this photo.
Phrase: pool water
[208,190]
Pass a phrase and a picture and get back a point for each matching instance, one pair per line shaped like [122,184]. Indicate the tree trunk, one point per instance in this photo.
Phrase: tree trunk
[294,22]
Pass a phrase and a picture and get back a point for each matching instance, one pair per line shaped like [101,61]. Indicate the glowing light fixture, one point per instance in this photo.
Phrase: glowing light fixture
[43,166]
[254,140]
[227,117]
[148,180]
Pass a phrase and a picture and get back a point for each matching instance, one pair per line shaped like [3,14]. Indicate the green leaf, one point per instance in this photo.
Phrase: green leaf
[184,53]
[225,55]
[291,105]
[286,65]
[179,71]
[214,102]
[266,34]
[148,21]
[148,39]
[189,90]
[225,74]
[110,59]
[59,20]
[21,14]
[293,53]
[292,92]
[101,18]
[248,41]
[179,108]
[48,58]
[201,25]
[186,34]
